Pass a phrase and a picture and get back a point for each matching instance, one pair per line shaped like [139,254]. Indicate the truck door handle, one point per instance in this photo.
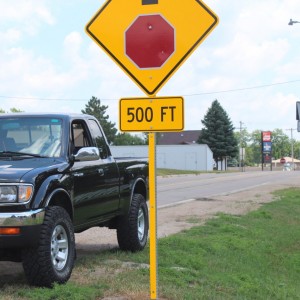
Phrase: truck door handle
[78,174]
[101,172]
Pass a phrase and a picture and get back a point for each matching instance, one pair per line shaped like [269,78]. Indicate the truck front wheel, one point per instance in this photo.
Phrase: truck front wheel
[53,260]
[132,229]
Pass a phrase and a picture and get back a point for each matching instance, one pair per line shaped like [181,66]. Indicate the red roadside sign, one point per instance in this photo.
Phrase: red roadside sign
[266,136]
[282,160]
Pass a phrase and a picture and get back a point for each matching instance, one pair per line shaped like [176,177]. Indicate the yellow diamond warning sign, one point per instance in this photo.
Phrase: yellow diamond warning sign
[150,39]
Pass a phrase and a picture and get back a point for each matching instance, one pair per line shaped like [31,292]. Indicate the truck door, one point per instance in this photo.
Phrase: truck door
[96,183]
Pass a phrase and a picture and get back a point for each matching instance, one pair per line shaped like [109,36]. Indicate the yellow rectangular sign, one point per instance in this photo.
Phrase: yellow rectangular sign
[151,114]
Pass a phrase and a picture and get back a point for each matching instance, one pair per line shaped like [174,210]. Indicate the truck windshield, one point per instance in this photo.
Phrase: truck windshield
[40,136]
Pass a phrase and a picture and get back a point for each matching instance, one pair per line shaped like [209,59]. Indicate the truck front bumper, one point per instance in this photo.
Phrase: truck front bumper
[20,229]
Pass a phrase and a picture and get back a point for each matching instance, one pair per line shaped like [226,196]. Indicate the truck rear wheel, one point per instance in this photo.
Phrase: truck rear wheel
[53,260]
[132,229]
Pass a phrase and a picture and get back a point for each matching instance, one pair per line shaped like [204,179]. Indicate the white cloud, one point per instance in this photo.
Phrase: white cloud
[289,69]
[18,11]
[247,57]
[252,45]
[72,46]
[10,36]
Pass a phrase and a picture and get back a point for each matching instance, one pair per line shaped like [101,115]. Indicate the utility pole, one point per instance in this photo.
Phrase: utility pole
[292,145]
[241,152]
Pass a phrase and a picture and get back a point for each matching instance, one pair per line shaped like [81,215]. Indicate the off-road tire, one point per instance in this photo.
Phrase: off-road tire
[53,260]
[132,229]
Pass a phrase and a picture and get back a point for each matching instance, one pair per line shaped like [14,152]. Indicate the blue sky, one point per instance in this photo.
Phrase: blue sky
[250,63]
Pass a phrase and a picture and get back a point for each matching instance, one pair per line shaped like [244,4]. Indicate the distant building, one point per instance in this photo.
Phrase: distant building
[187,137]
[194,157]
[175,150]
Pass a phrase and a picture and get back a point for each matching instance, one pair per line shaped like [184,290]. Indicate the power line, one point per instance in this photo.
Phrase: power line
[187,95]
[49,99]
[244,89]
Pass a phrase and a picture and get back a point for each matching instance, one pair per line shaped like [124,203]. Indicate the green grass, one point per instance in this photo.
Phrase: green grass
[256,256]
[166,172]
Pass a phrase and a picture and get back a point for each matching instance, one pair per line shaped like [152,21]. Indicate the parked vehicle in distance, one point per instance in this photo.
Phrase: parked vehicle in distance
[232,162]
[57,178]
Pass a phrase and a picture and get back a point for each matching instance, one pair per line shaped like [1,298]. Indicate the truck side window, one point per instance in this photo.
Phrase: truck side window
[99,139]
[79,135]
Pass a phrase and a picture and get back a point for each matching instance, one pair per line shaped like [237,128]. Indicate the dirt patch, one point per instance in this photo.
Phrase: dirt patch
[177,218]
[173,219]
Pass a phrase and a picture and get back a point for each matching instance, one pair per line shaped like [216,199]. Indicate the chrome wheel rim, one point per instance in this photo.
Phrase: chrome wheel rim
[141,224]
[59,247]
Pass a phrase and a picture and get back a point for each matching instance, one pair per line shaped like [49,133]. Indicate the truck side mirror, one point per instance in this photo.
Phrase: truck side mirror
[87,154]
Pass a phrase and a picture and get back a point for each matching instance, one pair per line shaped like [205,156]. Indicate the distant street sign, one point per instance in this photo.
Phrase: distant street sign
[298,115]
[150,39]
[267,146]
[266,136]
[282,160]
[298,110]
[151,114]
[267,158]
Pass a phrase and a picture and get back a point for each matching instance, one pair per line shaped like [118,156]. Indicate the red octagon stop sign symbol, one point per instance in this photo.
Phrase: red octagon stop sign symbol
[282,160]
[150,41]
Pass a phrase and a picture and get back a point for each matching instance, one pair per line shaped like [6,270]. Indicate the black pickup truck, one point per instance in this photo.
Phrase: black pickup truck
[57,178]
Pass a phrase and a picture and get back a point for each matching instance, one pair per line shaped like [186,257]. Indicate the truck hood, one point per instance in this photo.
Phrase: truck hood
[13,171]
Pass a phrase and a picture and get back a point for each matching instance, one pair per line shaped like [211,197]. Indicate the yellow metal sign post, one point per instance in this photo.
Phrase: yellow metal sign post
[150,40]
[152,115]
[153,216]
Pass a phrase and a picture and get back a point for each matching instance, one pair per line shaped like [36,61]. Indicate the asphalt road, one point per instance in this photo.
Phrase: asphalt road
[174,189]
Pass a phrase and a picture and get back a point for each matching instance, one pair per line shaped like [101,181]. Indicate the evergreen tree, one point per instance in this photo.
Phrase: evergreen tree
[97,110]
[218,133]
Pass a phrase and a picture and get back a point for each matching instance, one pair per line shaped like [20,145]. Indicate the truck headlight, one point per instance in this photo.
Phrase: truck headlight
[25,193]
[8,194]
[15,193]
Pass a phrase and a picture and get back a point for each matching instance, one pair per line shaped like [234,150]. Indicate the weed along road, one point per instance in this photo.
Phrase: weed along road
[176,189]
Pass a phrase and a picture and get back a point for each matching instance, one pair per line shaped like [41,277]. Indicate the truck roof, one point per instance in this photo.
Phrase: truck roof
[50,115]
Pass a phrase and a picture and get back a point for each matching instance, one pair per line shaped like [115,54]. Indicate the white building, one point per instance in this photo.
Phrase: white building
[194,157]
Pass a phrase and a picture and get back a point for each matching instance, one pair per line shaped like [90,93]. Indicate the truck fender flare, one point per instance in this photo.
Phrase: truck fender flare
[41,196]
[64,200]
[138,187]
[51,195]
